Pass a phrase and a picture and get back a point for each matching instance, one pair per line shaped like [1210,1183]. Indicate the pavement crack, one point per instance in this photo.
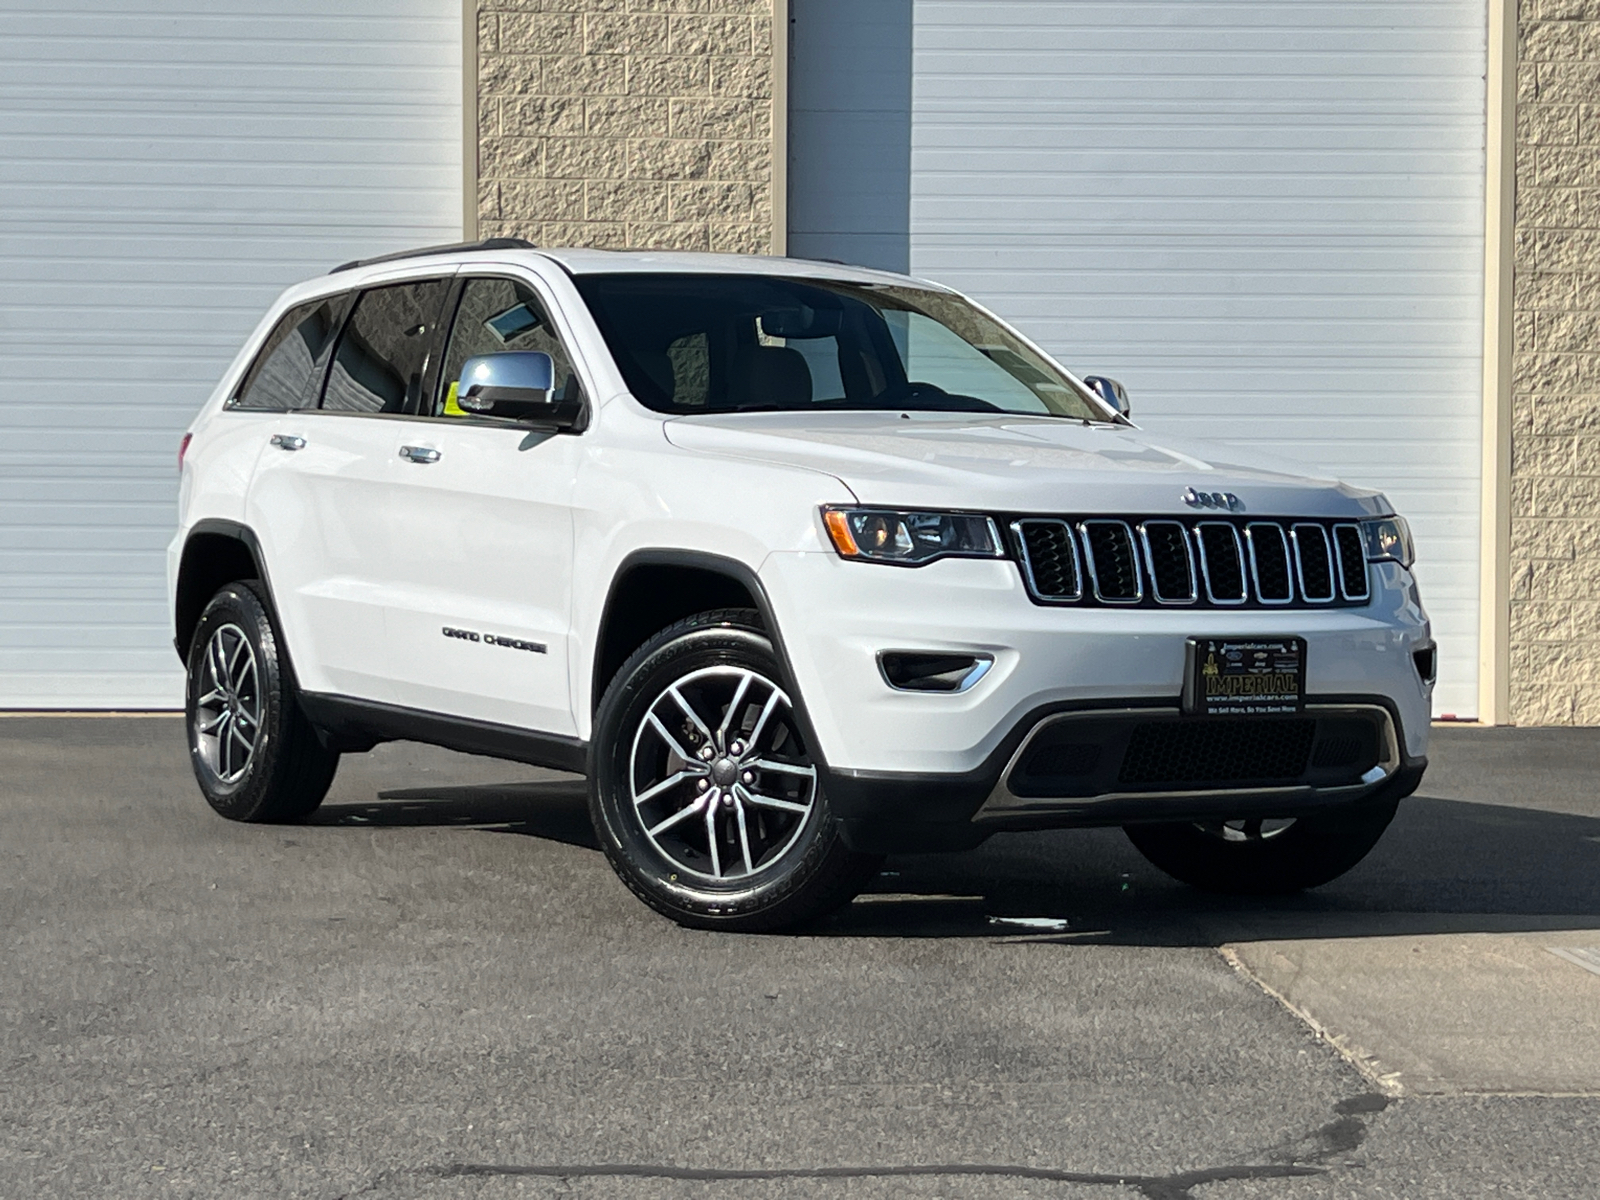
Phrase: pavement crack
[1153,1187]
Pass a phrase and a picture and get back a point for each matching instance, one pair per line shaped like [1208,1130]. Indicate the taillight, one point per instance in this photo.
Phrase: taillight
[183,448]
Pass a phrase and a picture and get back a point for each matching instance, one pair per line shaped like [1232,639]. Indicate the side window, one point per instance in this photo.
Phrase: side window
[383,356]
[496,315]
[280,378]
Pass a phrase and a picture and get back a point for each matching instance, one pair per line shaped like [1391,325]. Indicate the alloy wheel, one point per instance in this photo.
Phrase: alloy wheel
[719,776]
[1254,829]
[227,715]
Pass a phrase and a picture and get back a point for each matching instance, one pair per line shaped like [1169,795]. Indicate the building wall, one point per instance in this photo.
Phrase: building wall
[1555,447]
[627,123]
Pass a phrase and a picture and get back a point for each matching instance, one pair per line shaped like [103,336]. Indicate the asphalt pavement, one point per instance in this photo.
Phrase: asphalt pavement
[436,988]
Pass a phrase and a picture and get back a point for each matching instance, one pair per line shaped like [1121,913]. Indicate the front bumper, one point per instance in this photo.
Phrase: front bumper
[903,759]
[1117,763]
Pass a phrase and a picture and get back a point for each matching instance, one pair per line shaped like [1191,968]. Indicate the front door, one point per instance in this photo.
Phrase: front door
[480,609]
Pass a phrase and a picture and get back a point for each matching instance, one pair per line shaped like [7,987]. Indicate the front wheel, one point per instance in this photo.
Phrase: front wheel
[704,793]
[1263,857]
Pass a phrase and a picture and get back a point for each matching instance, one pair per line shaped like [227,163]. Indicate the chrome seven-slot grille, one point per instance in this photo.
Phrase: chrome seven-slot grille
[1206,562]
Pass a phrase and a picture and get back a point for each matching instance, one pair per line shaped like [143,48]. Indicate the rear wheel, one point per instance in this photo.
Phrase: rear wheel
[1263,856]
[704,794]
[254,754]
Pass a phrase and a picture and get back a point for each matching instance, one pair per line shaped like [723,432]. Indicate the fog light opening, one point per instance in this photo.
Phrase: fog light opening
[1427,661]
[912,671]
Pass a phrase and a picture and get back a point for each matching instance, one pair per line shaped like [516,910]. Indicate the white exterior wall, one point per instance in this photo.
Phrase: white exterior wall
[1265,217]
[168,167]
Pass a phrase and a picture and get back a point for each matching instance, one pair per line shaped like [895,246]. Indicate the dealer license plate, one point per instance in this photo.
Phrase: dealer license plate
[1244,676]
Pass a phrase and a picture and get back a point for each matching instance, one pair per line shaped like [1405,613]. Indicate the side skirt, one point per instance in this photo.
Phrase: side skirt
[346,724]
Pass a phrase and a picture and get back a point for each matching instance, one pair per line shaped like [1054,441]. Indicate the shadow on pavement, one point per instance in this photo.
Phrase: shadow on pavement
[554,810]
[1445,866]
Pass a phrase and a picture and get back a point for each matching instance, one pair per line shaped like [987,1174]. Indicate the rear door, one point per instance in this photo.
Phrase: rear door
[480,609]
[321,500]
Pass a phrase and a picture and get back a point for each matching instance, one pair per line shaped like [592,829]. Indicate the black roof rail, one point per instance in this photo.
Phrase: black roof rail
[494,243]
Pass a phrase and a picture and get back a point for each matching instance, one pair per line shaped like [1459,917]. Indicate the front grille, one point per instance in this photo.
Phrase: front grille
[1217,562]
[1352,557]
[1170,561]
[1217,753]
[1313,556]
[1049,554]
[1113,565]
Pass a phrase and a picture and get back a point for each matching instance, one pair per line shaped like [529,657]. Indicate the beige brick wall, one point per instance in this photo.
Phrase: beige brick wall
[627,123]
[1555,447]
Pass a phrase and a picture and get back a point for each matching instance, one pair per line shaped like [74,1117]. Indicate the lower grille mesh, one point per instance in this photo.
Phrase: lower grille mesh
[1175,753]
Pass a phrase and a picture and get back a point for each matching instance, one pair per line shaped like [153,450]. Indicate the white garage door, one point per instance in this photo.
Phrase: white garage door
[166,168]
[1265,217]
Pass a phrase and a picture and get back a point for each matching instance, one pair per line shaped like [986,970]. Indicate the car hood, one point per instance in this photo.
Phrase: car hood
[1014,463]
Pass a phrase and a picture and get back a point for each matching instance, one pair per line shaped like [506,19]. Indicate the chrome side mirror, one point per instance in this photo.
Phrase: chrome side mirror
[1112,392]
[518,385]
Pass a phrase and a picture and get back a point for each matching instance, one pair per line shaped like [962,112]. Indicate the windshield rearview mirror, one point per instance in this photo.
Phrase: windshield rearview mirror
[802,322]
[1112,392]
[518,385]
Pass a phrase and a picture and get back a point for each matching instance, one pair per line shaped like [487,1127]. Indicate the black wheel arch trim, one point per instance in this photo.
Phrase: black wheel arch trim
[239,532]
[740,573]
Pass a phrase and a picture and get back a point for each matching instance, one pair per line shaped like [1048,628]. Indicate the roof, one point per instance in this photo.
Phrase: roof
[612,262]
[616,262]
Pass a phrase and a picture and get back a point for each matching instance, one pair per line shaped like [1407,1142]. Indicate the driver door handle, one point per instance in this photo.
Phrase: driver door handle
[419,454]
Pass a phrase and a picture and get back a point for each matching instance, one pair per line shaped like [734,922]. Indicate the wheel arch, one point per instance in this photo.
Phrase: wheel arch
[216,552]
[609,653]
[653,588]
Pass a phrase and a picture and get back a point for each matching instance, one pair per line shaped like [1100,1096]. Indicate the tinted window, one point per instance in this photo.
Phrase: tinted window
[291,355]
[382,359]
[698,343]
[496,315]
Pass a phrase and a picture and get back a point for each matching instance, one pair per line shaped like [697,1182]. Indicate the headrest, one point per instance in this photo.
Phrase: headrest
[772,375]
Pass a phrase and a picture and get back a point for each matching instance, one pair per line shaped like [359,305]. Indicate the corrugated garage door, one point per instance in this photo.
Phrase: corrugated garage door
[166,167]
[1265,217]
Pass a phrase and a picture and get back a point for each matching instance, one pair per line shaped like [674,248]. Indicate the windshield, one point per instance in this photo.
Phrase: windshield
[748,343]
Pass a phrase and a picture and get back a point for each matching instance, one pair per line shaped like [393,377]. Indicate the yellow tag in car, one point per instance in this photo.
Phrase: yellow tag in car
[451,408]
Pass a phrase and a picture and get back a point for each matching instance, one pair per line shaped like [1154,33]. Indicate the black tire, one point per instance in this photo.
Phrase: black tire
[1306,854]
[800,867]
[274,768]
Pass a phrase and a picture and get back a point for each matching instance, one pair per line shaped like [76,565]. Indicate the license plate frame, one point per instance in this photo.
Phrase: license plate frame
[1271,675]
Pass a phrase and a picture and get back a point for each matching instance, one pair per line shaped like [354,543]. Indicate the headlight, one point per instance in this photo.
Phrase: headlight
[910,538]
[1389,540]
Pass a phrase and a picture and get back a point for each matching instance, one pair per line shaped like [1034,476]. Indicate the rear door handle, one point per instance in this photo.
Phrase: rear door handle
[288,441]
[419,454]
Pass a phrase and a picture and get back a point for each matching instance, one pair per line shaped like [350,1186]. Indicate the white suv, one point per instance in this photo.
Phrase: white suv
[801,564]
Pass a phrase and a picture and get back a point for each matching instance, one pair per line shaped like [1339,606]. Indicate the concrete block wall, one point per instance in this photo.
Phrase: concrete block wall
[1555,447]
[627,123]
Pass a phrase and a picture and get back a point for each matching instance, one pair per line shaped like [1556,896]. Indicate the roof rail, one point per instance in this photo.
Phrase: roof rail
[494,243]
